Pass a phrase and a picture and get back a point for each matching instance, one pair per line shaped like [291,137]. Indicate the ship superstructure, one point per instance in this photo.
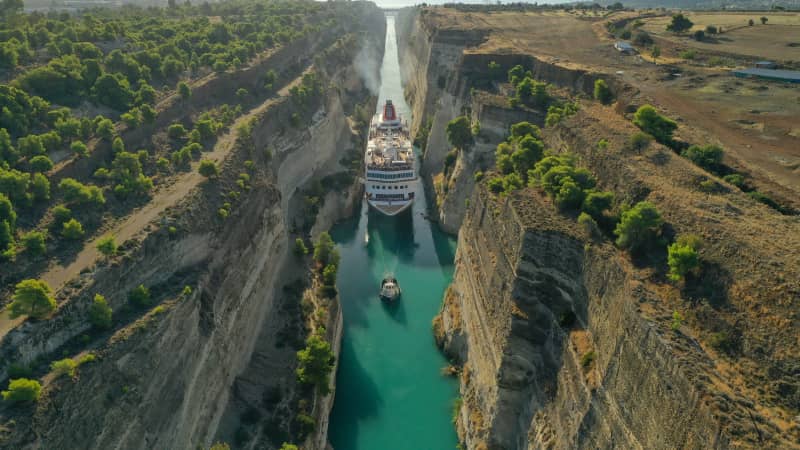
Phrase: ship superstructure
[391,168]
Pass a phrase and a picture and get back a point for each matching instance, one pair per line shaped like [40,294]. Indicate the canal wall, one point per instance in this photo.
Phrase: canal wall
[214,361]
[562,340]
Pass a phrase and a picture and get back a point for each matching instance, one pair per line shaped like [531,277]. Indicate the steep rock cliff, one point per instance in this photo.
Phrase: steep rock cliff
[164,379]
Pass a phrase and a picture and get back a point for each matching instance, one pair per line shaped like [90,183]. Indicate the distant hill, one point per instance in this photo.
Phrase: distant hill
[709,4]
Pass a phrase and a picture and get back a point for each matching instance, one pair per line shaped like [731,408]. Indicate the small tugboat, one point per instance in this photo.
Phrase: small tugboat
[390,290]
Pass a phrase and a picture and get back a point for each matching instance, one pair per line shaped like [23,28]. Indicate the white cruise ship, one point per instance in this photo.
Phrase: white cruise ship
[391,168]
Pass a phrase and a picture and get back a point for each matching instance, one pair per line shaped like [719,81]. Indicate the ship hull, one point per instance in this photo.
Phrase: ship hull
[392,209]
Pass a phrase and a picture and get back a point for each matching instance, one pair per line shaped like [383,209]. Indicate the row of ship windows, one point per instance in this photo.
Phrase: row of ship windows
[389,176]
[378,186]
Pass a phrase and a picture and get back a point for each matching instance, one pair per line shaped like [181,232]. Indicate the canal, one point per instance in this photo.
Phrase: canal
[390,393]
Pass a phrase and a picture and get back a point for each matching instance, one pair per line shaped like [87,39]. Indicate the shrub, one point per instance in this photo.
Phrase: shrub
[72,230]
[708,157]
[735,179]
[512,182]
[677,321]
[176,131]
[639,141]
[638,227]
[140,296]
[33,298]
[184,90]
[654,124]
[33,242]
[711,29]
[79,148]
[329,275]
[323,249]
[588,224]
[602,93]
[681,260]
[522,129]
[688,54]
[87,358]
[642,39]
[107,246]
[596,203]
[105,129]
[587,359]
[300,248]
[569,194]
[208,168]
[699,35]
[496,185]
[76,192]
[478,176]
[315,363]
[22,390]
[40,163]
[40,188]
[100,314]
[63,367]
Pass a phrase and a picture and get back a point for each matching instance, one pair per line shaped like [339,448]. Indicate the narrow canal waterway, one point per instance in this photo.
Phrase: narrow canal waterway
[390,393]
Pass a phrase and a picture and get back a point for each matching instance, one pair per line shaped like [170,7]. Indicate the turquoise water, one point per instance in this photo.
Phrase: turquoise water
[390,394]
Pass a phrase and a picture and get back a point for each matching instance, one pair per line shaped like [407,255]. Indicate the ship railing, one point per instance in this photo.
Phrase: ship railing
[389,167]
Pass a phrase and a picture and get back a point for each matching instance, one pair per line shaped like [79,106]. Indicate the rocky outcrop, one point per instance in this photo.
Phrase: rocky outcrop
[168,379]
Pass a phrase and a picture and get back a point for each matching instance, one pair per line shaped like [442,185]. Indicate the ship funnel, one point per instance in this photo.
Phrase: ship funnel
[388,111]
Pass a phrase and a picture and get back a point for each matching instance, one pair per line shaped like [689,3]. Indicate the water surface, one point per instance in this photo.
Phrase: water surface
[390,394]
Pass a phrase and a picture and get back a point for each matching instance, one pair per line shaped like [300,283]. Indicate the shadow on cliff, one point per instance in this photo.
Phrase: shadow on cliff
[352,377]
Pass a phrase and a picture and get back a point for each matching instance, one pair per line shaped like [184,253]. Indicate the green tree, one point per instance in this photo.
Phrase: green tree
[33,242]
[569,195]
[522,129]
[764,20]
[114,91]
[655,52]
[107,245]
[40,187]
[329,275]
[596,203]
[184,90]
[117,145]
[139,296]
[62,367]
[323,248]
[40,163]
[79,148]
[22,390]
[33,298]
[315,363]
[602,93]
[681,260]
[639,141]
[638,227]
[176,131]
[654,124]
[100,314]
[287,446]
[459,133]
[708,156]
[208,168]
[7,213]
[300,248]
[679,24]
[72,230]
[105,129]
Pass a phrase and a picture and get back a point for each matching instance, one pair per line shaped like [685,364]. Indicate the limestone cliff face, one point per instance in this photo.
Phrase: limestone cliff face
[169,379]
[529,301]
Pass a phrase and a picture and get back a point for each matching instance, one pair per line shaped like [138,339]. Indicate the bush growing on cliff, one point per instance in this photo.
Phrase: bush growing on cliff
[140,296]
[208,168]
[62,367]
[323,249]
[596,203]
[77,193]
[100,314]
[33,243]
[287,446]
[22,390]
[556,114]
[315,362]
[496,185]
[709,157]
[72,230]
[459,132]
[33,298]
[329,275]
[107,245]
[639,227]
[654,124]
[602,93]
[639,142]
[682,258]
[300,248]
